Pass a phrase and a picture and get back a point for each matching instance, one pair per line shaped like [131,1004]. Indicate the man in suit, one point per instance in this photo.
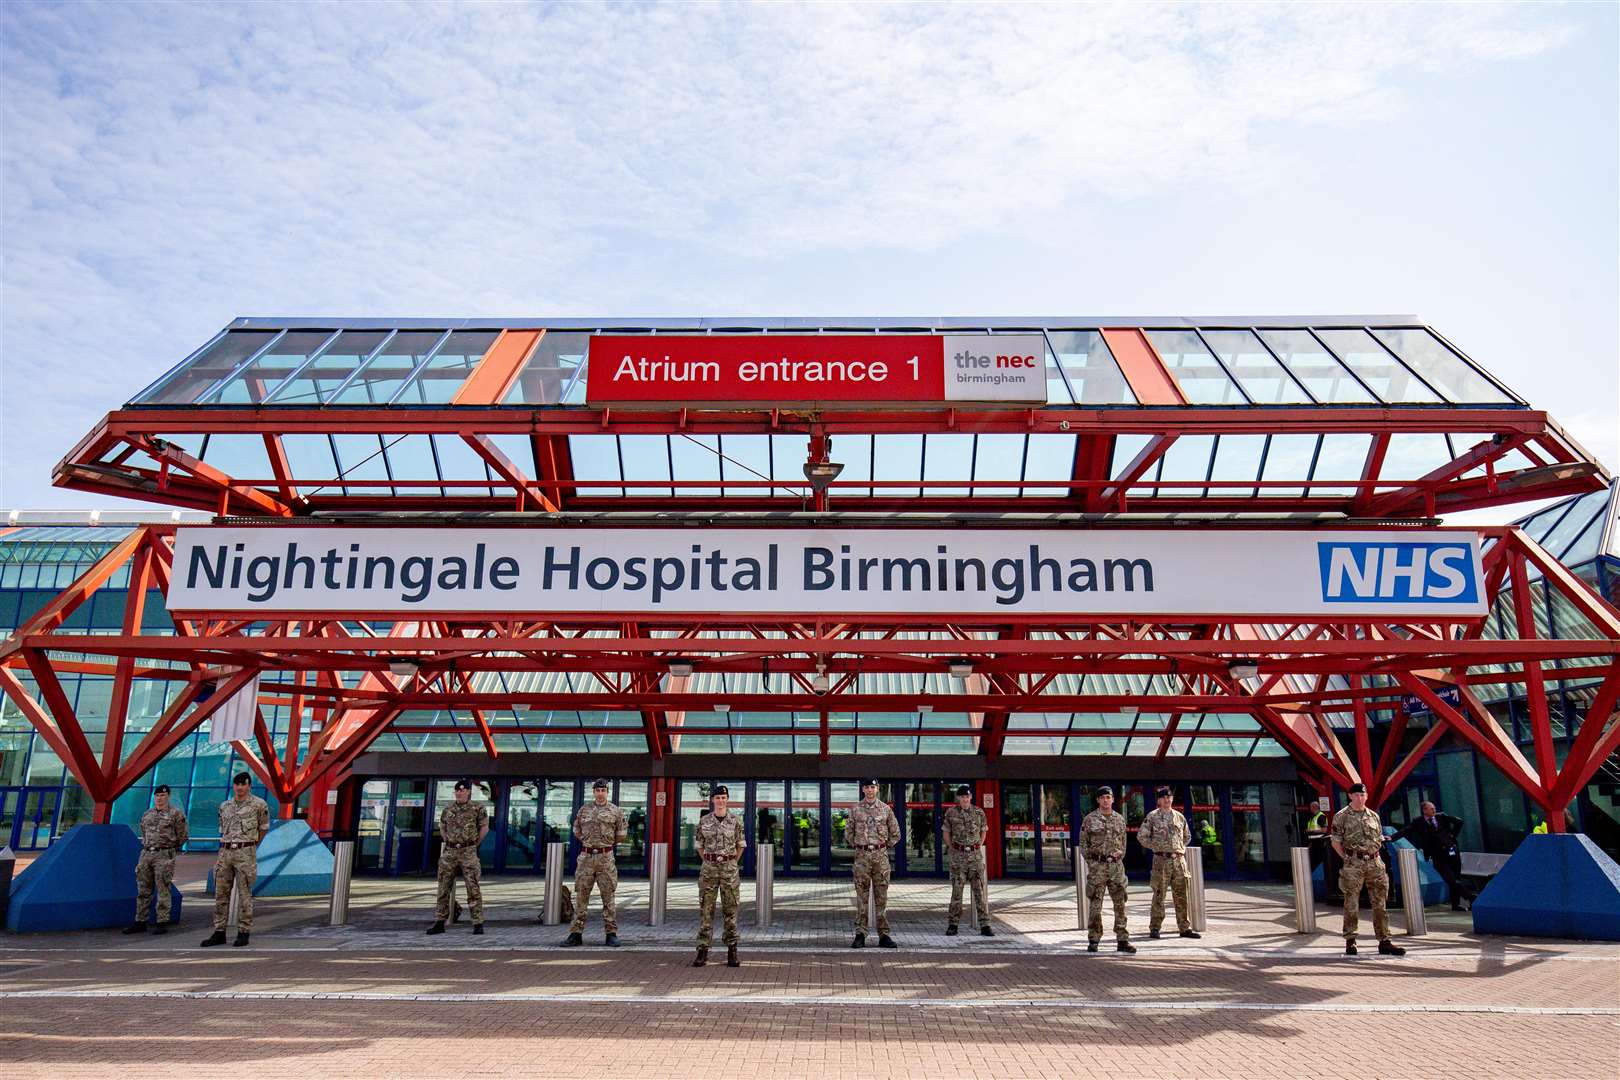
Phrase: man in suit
[1435,834]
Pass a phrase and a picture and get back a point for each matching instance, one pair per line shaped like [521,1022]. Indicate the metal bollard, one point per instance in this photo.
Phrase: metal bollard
[764,881]
[342,871]
[1417,921]
[1304,896]
[657,883]
[551,905]
[1080,900]
[1198,916]
[8,863]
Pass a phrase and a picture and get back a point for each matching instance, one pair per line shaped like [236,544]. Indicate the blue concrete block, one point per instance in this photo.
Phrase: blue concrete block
[1553,886]
[292,862]
[84,881]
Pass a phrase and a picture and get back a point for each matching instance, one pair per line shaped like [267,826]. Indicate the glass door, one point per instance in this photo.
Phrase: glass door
[921,813]
[771,818]
[557,821]
[522,826]
[1056,844]
[694,803]
[9,798]
[802,850]
[1018,826]
[1248,832]
[372,829]
[1204,821]
[407,840]
[1133,801]
[840,797]
[632,852]
[38,817]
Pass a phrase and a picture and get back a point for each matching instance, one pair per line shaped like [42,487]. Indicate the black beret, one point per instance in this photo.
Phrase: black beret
[720,789]
[161,789]
[463,785]
[869,783]
[964,790]
[1104,790]
[1358,789]
[603,784]
[1160,792]
[241,778]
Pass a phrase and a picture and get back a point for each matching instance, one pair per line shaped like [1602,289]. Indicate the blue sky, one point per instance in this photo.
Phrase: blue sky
[168,167]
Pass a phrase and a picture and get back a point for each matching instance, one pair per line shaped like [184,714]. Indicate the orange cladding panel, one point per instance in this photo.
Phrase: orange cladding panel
[500,366]
[1142,368]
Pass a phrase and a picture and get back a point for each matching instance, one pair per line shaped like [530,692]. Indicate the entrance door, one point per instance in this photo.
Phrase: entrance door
[1057,844]
[28,816]
[1018,828]
[408,837]
[373,827]
[522,854]
[694,803]
[10,798]
[922,818]
[632,853]
[840,797]
[1248,832]
[802,847]
[771,824]
[1134,801]
[1204,820]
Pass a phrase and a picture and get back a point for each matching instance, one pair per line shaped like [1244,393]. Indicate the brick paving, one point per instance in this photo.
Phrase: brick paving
[379,998]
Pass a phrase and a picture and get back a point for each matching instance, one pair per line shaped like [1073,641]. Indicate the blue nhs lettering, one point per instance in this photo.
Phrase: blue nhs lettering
[1397,572]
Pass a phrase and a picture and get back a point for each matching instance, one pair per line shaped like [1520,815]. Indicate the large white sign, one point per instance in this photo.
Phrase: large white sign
[1213,572]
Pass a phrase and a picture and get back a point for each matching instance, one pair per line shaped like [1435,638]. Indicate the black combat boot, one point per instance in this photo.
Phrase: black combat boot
[136,927]
[1091,946]
[1191,934]
[241,939]
[731,957]
[985,931]
[1125,947]
[611,940]
[478,928]
[160,928]
[886,942]
[860,940]
[1389,948]
[1349,948]
[216,938]
[702,956]
[1154,934]
[950,931]
[436,928]
[573,939]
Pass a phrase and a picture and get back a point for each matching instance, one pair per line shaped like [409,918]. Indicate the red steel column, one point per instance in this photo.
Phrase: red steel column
[988,793]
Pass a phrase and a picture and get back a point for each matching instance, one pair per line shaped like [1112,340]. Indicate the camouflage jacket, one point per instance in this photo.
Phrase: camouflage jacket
[163,830]
[720,835]
[243,822]
[1102,835]
[871,824]
[1164,832]
[1358,831]
[600,826]
[964,827]
[461,822]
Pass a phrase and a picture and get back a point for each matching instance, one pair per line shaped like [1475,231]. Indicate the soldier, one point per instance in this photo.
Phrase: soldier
[162,832]
[965,826]
[1165,833]
[600,827]
[1102,841]
[1357,836]
[871,829]
[244,819]
[462,826]
[720,841]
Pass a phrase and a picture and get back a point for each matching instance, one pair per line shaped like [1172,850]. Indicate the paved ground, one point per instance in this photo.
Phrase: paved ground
[379,998]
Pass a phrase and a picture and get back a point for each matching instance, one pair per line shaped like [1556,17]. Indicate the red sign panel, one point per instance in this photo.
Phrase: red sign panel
[816,369]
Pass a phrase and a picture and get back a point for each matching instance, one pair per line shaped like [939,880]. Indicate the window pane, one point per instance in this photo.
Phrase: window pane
[254,383]
[1314,366]
[389,369]
[185,385]
[315,382]
[438,382]
[549,369]
[1249,362]
[1091,368]
[1201,379]
[1444,369]
[1377,368]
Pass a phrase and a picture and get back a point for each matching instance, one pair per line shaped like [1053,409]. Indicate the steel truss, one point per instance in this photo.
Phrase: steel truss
[338,680]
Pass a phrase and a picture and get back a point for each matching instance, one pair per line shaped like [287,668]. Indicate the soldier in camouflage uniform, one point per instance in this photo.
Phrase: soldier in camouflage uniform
[965,826]
[871,829]
[720,840]
[599,827]
[462,827]
[244,819]
[1102,842]
[1357,835]
[162,832]
[1165,833]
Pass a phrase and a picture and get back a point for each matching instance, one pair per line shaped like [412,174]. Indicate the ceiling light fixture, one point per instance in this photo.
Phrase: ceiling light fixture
[681,667]
[1244,667]
[961,669]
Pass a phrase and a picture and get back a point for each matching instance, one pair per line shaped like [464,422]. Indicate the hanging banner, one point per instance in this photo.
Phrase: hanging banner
[233,721]
[824,370]
[1217,573]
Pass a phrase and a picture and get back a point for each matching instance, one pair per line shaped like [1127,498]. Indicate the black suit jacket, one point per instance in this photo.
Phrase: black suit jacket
[1434,841]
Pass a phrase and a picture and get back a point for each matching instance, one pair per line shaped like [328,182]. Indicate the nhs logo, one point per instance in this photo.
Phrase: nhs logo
[1398,572]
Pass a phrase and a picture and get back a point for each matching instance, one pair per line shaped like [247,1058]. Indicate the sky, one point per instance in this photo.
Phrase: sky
[166,168]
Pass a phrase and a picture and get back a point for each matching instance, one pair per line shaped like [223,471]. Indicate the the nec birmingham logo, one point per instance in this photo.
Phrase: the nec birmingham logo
[1397,572]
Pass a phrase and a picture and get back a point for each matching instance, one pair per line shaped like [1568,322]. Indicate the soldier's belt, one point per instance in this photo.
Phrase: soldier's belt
[149,848]
[597,850]
[1362,854]
[870,847]
[965,847]
[460,844]
[1170,854]
[718,858]
[1103,858]
[234,844]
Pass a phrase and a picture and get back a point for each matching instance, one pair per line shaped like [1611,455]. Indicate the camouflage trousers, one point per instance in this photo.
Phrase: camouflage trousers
[1106,877]
[154,872]
[462,860]
[724,879]
[602,872]
[872,874]
[1369,874]
[967,868]
[1170,871]
[236,868]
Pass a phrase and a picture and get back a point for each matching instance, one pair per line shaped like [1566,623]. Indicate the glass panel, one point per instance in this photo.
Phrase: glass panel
[254,383]
[921,814]
[1447,372]
[770,814]
[1056,843]
[523,825]
[1248,836]
[1265,380]
[1093,373]
[557,816]
[438,382]
[388,370]
[1377,368]
[633,801]
[1201,379]
[694,804]
[316,382]
[549,369]
[184,386]
[1018,828]
[408,850]
[804,839]
[1323,376]
[1204,819]
[1572,524]
[841,796]
[1132,800]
